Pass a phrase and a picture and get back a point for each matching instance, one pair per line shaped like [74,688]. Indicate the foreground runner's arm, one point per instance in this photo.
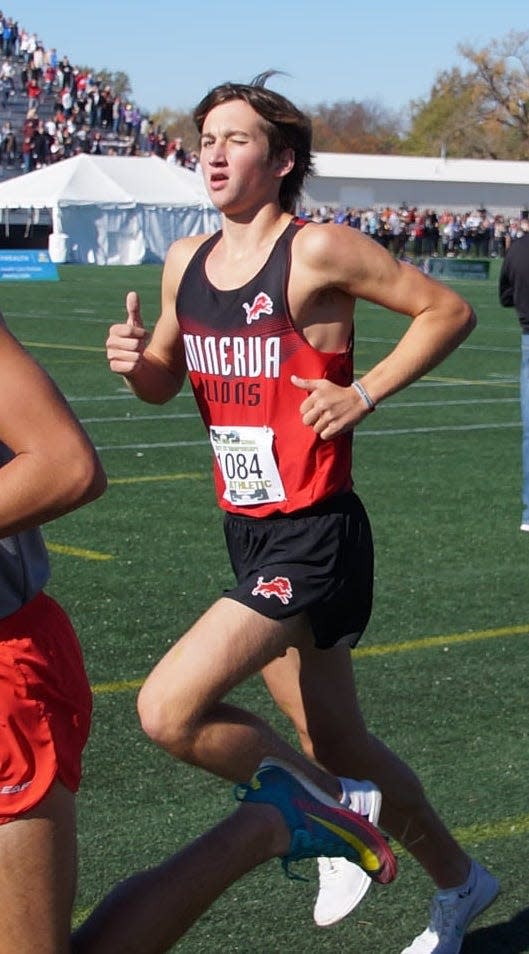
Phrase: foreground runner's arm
[55,467]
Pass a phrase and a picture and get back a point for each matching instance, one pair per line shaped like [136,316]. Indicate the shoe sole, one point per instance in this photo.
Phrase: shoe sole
[385,857]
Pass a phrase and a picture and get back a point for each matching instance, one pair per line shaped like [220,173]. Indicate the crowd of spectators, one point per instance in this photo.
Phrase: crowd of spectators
[427,232]
[84,115]
[69,110]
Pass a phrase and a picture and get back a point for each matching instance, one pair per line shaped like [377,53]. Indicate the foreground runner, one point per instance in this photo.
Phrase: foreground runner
[48,467]
[260,316]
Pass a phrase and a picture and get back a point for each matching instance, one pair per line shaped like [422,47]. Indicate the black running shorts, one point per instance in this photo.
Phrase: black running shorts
[318,561]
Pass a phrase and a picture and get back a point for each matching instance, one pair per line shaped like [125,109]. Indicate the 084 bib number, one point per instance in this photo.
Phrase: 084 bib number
[247,463]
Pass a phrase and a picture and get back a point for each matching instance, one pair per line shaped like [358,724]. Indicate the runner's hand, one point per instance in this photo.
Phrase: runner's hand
[127,342]
[329,408]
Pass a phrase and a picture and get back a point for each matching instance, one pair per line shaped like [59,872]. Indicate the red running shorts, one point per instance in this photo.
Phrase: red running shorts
[45,705]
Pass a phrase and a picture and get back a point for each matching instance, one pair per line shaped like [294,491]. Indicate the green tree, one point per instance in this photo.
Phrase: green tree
[440,125]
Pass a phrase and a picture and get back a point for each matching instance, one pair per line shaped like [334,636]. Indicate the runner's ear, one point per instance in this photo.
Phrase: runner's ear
[285,162]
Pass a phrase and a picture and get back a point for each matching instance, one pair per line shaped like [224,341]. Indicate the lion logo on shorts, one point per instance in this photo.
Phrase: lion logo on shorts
[280,586]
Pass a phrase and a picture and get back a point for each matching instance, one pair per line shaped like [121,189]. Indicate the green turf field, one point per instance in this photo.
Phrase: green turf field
[443,670]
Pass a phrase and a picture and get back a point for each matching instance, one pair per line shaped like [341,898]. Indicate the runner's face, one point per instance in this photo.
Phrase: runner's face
[234,149]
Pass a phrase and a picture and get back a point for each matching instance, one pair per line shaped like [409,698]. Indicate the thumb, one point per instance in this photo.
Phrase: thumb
[132,304]
[306,383]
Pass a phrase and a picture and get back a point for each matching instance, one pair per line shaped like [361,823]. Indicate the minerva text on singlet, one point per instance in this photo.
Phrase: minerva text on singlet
[233,357]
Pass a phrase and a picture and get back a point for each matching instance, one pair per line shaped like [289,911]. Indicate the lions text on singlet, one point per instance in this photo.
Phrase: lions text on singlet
[241,349]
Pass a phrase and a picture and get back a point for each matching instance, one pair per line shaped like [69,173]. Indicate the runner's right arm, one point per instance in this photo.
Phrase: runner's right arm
[154,368]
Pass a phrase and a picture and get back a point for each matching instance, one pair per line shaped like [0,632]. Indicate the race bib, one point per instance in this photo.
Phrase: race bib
[246,459]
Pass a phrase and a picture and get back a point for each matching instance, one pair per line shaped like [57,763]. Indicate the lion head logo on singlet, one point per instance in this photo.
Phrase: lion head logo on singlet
[261,305]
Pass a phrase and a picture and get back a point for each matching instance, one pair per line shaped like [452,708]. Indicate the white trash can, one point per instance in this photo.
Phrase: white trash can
[58,247]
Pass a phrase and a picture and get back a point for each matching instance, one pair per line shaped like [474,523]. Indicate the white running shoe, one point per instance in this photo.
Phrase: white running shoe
[453,910]
[342,883]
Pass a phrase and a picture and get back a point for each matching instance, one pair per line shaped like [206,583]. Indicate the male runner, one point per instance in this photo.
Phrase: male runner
[260,317]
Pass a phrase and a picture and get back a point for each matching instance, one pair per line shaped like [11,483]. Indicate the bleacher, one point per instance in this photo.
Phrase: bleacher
[16,112]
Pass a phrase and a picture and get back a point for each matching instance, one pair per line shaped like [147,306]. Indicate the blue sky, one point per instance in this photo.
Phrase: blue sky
[174,52]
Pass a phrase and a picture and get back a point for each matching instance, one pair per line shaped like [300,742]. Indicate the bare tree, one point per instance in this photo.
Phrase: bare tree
[483,113]
[354,127]
[501,76]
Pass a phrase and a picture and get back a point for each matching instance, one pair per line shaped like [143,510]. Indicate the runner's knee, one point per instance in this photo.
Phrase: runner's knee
[162,722]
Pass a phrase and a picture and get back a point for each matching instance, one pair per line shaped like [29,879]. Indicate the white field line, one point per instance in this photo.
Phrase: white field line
[361,432]
[393,405]
[390,432]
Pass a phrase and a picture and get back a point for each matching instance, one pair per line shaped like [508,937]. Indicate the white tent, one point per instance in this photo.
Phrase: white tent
[112,210]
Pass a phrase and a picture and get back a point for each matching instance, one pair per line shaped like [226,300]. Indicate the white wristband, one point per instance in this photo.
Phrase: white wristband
[360,389]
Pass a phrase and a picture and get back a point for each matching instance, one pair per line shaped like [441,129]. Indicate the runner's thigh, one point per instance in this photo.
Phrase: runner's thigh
[226,645]
[38,875]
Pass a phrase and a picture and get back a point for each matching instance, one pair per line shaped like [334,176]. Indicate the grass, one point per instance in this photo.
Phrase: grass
[443,671]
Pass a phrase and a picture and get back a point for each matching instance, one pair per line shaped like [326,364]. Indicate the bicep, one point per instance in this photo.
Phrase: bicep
[398,286]
[54,468]
[362,268]
[34,414]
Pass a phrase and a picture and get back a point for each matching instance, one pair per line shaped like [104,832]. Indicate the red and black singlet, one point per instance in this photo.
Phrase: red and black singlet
[241,349]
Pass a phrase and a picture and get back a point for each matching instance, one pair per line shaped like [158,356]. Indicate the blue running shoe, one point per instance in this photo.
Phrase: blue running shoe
[319,825]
